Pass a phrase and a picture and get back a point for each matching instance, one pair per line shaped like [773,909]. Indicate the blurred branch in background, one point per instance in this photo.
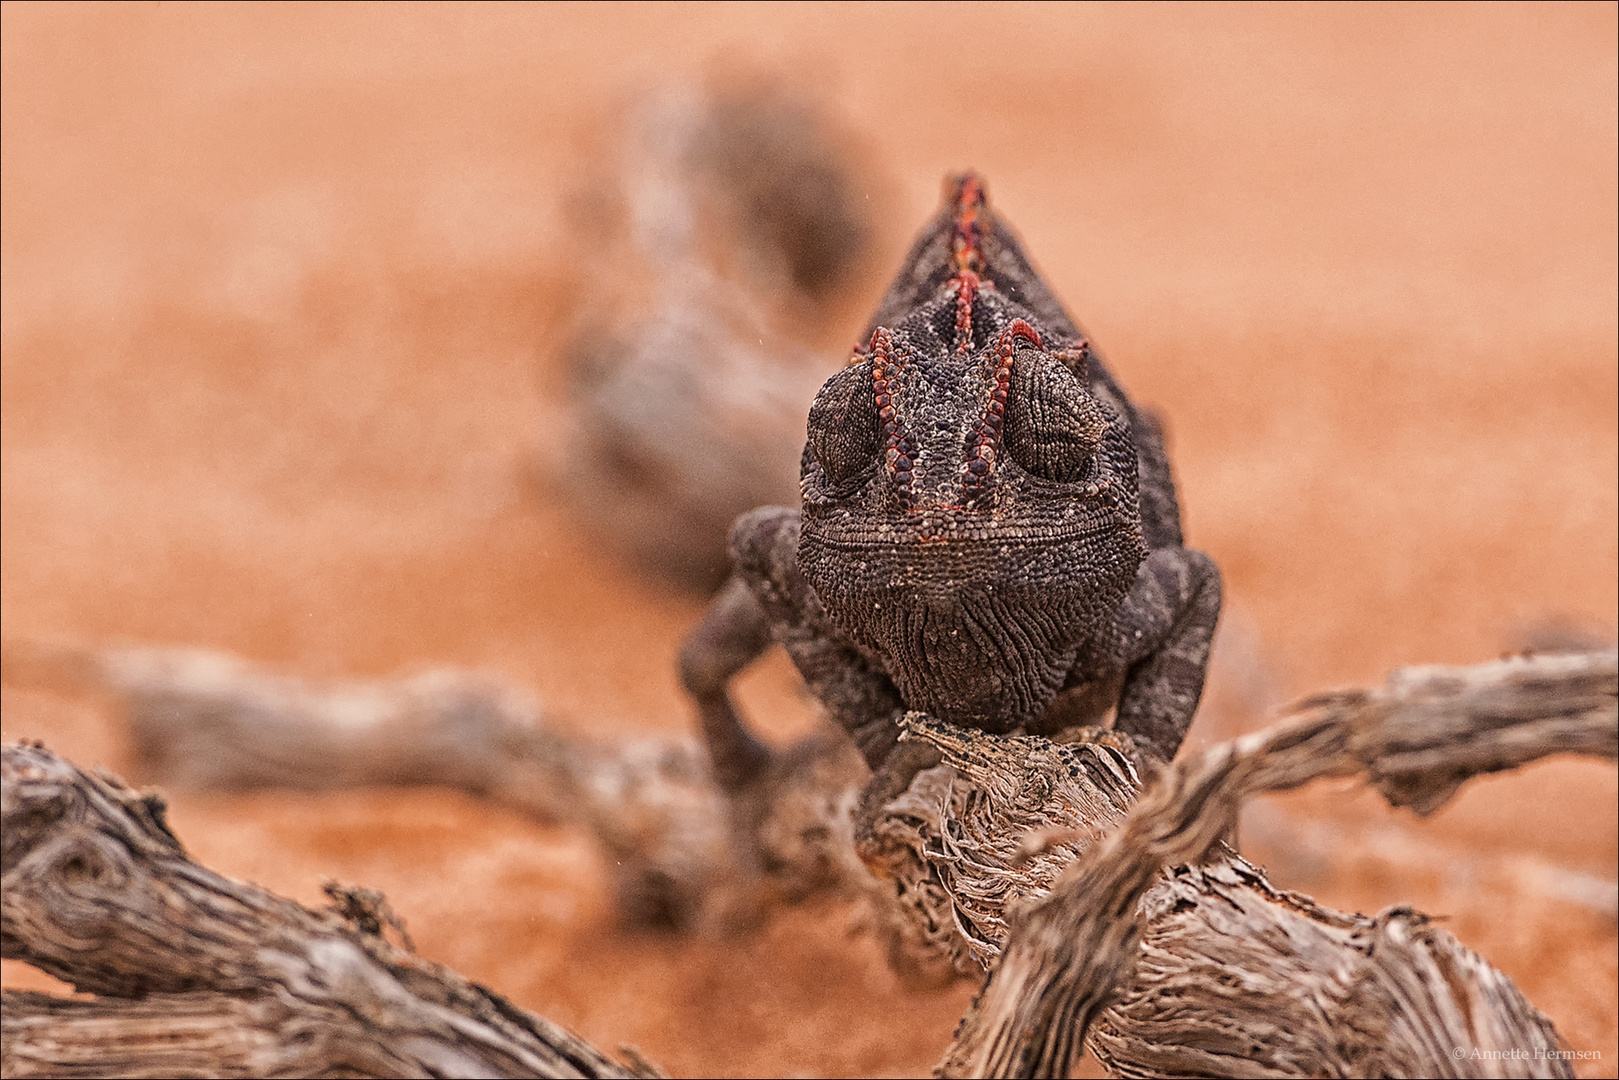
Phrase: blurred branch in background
[718,234]
[210,721]
[1008,858]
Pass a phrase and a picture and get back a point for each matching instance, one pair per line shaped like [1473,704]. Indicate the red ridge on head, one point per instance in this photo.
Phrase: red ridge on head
[967,284]
[899,449]
[966,251]
[1019,329]
[984,444]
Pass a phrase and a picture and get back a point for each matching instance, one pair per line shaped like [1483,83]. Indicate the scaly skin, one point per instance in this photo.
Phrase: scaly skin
[988,533]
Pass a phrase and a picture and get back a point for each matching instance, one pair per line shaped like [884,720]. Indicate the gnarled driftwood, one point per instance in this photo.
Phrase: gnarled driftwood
[1120,924]
[1216,973]
[199,975]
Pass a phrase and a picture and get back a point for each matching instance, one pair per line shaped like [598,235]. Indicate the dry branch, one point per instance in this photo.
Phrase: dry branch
[1235,976]
[679,857]
[196,974]
[1015,842]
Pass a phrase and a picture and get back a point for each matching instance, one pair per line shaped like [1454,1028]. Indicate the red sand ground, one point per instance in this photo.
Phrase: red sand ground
[279,288]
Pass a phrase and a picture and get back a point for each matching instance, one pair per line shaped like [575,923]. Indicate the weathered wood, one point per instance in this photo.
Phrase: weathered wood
[1430,729]
[712,232]
[996,823]
[205,719]
[678,855]
[1023,855]
[197,974]
[1217,973]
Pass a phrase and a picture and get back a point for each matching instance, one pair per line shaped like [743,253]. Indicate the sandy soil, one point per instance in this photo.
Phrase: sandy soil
[280,289]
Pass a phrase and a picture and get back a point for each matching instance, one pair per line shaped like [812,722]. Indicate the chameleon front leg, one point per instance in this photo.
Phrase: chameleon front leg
[1166,626]
[734,631]
[768,598]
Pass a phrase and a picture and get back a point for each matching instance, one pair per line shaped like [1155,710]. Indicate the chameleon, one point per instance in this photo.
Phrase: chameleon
[988,533]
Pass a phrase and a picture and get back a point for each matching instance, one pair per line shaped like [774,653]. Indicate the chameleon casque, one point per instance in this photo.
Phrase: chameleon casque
[988,533]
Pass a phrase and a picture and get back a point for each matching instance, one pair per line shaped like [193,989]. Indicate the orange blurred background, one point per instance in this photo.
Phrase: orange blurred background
[281,296]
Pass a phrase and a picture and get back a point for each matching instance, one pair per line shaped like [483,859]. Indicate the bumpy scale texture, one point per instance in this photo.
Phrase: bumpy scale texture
[988,532]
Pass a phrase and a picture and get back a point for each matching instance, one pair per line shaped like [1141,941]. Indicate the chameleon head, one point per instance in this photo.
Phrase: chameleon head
[969,507]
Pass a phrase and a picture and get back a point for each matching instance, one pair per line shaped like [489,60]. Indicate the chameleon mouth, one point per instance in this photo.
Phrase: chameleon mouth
[955,529]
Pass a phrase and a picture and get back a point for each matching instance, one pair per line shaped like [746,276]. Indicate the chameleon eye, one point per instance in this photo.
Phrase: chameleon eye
[843,425]
[1053,424]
